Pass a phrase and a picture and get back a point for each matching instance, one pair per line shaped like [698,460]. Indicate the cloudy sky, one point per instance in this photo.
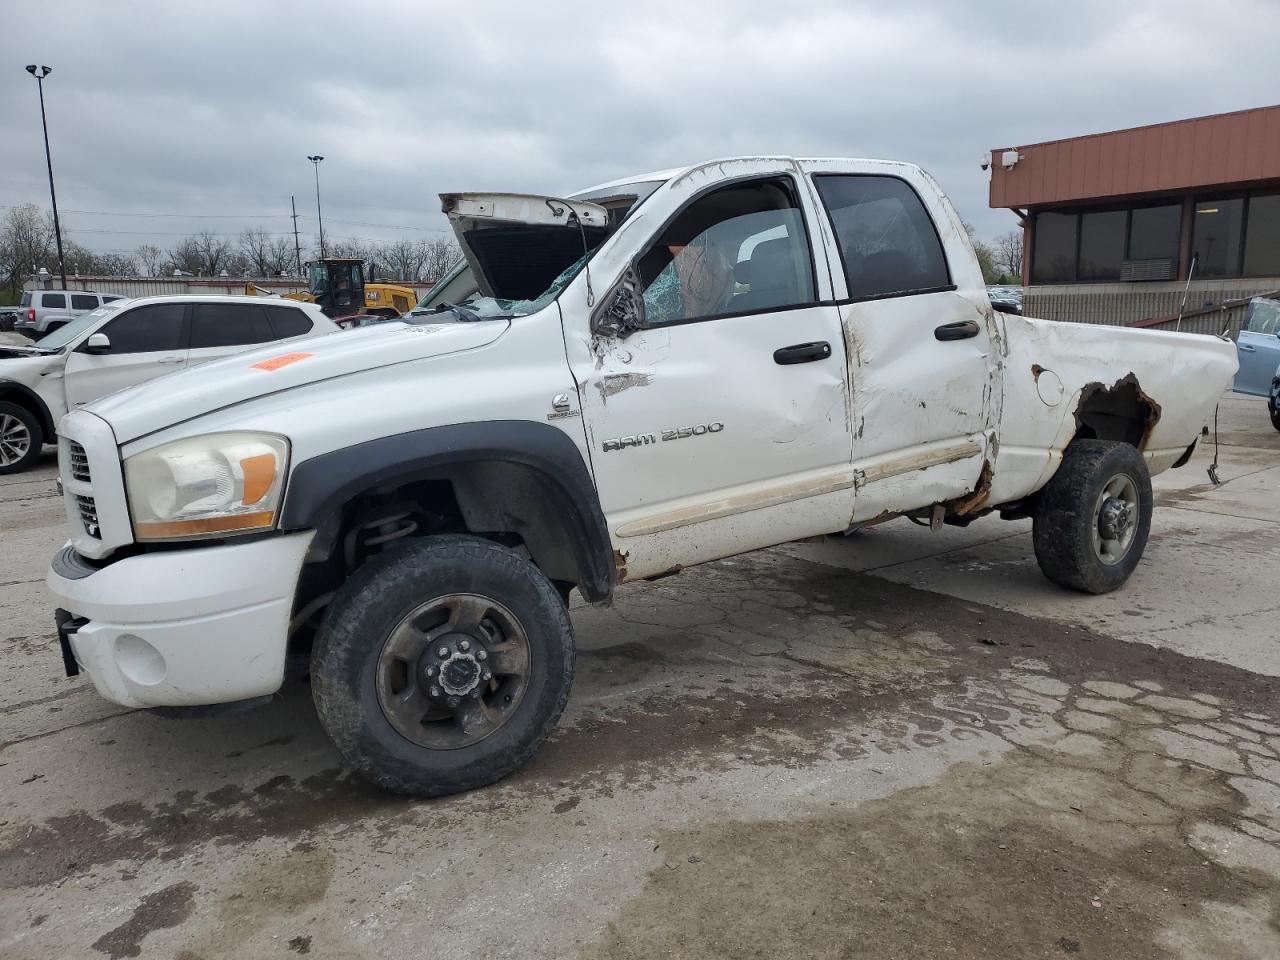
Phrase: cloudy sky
[170,118]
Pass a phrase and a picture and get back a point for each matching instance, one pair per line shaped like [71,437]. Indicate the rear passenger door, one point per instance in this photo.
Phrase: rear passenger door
[146,342]
[921,361]
[218,329]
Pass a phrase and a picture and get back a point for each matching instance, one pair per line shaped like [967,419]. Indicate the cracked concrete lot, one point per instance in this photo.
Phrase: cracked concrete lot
[894,745]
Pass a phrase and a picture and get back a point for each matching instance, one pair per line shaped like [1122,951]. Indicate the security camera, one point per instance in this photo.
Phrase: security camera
[985,161]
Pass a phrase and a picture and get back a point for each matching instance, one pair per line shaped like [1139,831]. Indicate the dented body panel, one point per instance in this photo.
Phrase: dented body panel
[1054,372]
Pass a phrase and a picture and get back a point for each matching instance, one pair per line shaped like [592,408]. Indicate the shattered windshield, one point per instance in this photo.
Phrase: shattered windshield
[493,308]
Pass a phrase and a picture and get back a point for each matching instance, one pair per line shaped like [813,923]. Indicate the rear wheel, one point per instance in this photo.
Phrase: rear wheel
[442,665]
[1273,407]
[20,438]
[1094,516]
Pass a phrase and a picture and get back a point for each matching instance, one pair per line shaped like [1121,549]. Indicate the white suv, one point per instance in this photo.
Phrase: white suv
[127,342]
[44,311]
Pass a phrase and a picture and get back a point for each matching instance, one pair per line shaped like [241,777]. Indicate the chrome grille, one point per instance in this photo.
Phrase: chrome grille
[79,461]
[88,515]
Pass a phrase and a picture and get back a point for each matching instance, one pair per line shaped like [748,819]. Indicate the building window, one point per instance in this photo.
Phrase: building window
[1215,241]
[1153,232]
[1101,245]
[1054,252]
[1262,237]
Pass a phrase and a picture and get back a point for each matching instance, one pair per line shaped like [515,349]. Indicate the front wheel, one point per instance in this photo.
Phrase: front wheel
[442,665]
[1094,516]
[20,438]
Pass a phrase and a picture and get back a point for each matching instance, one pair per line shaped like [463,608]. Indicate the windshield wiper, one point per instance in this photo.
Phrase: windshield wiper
[464,314]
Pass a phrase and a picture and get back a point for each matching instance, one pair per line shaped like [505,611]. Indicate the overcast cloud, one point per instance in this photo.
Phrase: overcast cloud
[211,109]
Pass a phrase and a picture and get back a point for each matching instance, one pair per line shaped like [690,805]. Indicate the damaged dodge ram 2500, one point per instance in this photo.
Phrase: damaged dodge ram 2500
[652,374]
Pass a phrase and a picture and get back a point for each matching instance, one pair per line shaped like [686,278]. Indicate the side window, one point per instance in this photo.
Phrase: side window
[742,249]
[288,322]
[228,325]
[108,299]
[54,299]
[1263,316]
[150,329]
[887,241]
[84,301]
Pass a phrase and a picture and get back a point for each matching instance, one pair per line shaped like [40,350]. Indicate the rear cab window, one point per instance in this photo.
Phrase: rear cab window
[888,243]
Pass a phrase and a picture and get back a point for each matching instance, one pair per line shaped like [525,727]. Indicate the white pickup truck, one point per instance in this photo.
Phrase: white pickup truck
[655,373]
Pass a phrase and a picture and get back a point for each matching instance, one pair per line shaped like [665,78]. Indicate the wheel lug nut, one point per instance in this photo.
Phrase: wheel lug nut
[453,701]
[435,691]
[442,652]
[431,671]
[488,675]
[464,645]
[475,694]
[482,655]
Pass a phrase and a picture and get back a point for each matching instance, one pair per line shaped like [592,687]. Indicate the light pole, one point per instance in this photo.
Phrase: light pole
[316,161]
[40,73]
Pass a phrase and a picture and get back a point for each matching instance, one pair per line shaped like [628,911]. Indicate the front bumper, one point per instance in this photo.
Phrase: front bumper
[187,627]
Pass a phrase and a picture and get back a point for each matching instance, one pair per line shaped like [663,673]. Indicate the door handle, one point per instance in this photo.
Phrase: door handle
[1246,347]
[802,352]
[960,330]
[170,360]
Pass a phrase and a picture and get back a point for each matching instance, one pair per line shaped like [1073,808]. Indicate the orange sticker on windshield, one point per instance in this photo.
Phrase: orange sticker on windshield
[275,363]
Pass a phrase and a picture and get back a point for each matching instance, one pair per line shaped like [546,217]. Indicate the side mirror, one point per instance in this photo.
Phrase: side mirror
[621,313]
[98,343]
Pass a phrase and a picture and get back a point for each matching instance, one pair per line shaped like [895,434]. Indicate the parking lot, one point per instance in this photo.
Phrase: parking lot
[894,744]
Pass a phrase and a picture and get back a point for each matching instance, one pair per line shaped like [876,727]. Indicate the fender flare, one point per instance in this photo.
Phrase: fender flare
[36,403]
[319,488]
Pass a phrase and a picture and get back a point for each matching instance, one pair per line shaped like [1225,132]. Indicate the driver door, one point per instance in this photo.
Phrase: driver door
[146,342]
[722,425]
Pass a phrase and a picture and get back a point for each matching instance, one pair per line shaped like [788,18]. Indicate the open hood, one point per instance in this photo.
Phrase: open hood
[516,244]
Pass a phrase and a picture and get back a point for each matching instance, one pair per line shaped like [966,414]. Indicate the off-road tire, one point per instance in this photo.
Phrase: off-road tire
[32,424]
[1275,416]
[1062,527]
[370,605]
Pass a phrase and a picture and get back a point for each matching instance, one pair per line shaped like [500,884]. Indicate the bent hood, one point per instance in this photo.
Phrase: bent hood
[28,367]
[278,367]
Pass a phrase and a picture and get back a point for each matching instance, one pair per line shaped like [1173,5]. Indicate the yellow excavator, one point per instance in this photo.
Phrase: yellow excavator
[337,284]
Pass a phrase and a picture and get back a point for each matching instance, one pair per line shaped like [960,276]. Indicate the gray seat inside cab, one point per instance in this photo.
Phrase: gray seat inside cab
[771,274]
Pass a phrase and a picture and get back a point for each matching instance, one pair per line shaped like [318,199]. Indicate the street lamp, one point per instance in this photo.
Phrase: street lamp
[316,160]
[40,73]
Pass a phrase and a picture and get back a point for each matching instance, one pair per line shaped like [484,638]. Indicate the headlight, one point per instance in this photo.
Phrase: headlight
[211,486]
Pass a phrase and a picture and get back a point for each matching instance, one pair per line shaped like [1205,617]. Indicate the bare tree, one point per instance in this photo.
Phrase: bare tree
[281,257]
[439,256]
[216,252]
[26,245]
[1008,249]
[401,259]
[150,258]
[186,257]
[255,248]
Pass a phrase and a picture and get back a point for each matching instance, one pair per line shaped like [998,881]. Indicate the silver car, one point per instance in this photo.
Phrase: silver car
[43,311]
